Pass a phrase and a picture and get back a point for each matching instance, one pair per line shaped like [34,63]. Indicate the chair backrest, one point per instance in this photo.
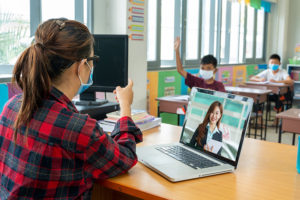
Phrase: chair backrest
[3,95]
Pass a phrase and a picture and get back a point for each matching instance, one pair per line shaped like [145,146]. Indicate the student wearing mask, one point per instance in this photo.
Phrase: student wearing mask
[208,69]
[48,149]
[274,75]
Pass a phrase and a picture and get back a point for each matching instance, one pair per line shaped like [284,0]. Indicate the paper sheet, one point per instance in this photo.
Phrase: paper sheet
[215,145]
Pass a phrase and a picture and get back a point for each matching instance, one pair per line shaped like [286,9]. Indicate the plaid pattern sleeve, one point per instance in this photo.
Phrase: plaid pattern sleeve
[109,156]
[64,152]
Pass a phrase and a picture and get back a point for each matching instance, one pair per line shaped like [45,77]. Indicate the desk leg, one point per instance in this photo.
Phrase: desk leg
[261,121]
[294,135]
[269,108]
[178,119]
[280,132]
[255,131]
[158,110]
[266,124]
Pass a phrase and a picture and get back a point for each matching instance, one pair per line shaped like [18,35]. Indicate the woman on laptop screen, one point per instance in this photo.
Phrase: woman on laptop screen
[208,135]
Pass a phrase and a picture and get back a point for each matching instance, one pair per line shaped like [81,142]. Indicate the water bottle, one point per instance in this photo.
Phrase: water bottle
[298,156]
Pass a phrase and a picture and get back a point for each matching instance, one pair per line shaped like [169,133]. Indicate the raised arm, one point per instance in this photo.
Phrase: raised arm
[179,67]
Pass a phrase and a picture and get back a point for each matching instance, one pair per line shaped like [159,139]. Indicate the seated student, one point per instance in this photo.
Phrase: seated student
[276,75]
[209,129]
[47,149]
[208,69]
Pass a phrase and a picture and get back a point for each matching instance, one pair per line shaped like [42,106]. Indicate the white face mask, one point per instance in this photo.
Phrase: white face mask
[206,74]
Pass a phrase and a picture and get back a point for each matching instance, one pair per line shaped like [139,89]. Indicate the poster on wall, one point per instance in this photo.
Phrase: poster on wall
[225,75]
[239,75]
[136,20]
[297,48]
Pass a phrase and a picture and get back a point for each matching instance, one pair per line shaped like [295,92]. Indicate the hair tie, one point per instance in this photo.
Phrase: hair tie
[61,24]
[40,45]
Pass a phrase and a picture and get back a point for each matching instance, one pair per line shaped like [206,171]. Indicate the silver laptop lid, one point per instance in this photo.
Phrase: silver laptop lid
[216,123]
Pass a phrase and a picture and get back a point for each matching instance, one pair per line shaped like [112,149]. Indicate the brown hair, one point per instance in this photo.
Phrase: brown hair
[202,126]
[58,44]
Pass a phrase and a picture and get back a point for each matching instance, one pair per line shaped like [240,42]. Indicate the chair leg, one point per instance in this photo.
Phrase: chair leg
[249,128]
[276,123]
[261,127]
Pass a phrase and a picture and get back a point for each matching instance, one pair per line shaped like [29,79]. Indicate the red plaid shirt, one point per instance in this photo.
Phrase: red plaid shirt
[64,153]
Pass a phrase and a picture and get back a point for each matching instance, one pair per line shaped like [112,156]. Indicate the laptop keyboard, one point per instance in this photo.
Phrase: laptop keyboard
[187,157]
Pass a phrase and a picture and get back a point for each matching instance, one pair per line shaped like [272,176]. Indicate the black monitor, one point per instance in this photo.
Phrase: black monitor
[112,68]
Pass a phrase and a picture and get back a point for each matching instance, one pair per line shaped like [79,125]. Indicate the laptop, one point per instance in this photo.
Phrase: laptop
[211,138]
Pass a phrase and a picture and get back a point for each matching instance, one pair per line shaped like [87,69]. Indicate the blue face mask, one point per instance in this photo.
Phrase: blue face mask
[84,86]
[274,67]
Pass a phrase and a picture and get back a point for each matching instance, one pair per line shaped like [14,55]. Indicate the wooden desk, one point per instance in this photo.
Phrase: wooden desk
[279,89]
[276,88]
[266,171]
[170,104]
[290,122]
[259,96]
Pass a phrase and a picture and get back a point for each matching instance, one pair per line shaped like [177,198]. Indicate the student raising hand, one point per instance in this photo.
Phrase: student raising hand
[177,44]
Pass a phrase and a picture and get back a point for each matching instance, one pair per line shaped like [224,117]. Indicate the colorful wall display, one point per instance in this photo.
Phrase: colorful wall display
[239,75]
[225,75]
[152,92]
[4,95]
[169,83]
[136,20]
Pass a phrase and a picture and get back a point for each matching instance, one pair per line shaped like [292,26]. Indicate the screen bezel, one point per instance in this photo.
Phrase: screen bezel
[229,95]
[100,88]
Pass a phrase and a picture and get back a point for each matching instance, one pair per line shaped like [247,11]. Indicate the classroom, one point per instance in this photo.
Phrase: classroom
[149,99]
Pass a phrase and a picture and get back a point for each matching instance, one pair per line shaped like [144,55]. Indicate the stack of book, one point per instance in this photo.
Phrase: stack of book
[140,117]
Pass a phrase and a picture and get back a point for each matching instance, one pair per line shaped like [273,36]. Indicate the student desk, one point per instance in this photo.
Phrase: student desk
[266,171]
[276,88]
[259,96]
[290,122]
[170,104]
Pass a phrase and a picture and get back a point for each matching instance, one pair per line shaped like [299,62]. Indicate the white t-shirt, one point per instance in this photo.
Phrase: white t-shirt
[268,75]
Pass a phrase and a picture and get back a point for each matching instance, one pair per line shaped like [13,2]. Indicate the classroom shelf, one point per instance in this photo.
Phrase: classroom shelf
[290,68]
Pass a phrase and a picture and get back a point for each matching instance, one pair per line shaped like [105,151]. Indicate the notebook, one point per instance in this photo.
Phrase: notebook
[211,138]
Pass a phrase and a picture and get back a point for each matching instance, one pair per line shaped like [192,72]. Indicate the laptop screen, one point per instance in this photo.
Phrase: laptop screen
[216,122]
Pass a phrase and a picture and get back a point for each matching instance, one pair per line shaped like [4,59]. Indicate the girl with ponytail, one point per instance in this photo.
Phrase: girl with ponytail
[47,148]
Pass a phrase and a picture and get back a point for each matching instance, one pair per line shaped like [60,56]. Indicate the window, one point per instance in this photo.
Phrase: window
[192,30]
[230,30]
[234,32]
[167,29]
[14,29]
[250,32]
[260,34]
[18,23]
[58,8]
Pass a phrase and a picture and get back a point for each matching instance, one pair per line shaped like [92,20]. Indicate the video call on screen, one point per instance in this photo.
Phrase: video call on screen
[226,139]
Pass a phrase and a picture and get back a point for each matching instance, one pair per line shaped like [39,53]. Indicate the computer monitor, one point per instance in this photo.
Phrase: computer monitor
[112,68]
